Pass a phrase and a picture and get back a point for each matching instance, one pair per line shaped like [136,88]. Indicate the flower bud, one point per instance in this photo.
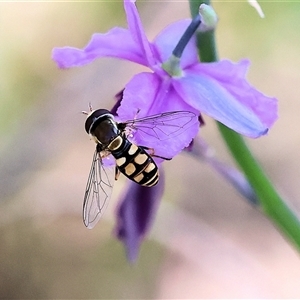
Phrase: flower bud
[209,18]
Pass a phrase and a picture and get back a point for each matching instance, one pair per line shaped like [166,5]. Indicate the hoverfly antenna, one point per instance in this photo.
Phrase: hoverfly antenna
[90,108]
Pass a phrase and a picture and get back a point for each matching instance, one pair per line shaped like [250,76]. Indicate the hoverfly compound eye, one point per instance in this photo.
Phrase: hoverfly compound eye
[96,116]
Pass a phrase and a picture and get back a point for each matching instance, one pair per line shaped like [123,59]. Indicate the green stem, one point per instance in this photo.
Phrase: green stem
[271,202]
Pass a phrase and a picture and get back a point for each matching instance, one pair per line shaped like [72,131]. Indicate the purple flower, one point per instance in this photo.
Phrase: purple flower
[219,90]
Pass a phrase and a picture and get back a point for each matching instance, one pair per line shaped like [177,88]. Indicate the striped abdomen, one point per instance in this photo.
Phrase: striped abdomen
[134,162]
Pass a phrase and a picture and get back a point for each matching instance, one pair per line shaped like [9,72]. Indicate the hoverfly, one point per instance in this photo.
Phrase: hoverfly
[130,159]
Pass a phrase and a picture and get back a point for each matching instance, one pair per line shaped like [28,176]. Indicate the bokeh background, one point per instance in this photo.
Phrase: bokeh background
[207,241]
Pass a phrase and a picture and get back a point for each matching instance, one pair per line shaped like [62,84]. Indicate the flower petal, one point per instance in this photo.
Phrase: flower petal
[135,215]
[146,94]
[211,96]
[138,34]
[233,77]
[101,45]
[168,38]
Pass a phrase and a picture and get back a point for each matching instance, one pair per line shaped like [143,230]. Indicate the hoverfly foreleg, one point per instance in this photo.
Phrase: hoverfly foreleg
[130,130]
[99,148]
[152,153]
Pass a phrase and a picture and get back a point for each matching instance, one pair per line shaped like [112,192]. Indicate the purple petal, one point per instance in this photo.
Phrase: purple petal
[233,78]
[135,215]
[137,31]
[149,95]
[211,96]
[101,45]
[168,38]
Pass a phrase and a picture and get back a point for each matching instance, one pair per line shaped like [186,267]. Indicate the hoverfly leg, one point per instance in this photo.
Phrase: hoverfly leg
[158,156]
[100,149]
[117,174]
[152,153]
[129,131]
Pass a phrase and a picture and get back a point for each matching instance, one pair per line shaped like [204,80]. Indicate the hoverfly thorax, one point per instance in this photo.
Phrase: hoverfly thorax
[101,125]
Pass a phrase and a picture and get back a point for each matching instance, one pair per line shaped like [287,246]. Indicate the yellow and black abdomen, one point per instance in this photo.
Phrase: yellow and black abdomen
[135,163]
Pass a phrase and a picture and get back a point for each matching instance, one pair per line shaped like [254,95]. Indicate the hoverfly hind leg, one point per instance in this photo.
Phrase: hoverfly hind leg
[152,153]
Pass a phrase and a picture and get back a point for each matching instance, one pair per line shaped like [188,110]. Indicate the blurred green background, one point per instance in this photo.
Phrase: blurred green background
[206,242]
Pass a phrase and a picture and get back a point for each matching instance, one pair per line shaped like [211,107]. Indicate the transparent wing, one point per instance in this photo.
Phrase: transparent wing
[163,126]
[98,190]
